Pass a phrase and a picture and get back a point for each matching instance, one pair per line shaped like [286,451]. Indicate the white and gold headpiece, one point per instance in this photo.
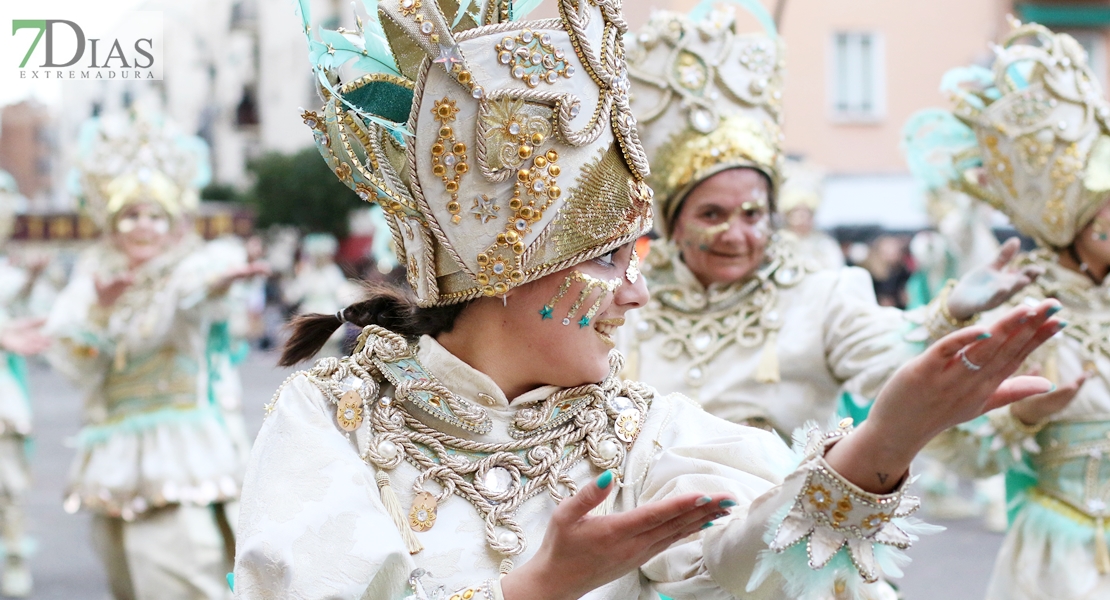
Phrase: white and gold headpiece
[707,99]
[501,150]
[132,158]
[1029,137]
[803,186]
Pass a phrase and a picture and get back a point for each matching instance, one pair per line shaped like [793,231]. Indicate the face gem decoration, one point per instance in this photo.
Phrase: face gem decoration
[592,283]
[632,273]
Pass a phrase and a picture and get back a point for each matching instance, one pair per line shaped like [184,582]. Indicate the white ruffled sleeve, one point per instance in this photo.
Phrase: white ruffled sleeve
[797,531]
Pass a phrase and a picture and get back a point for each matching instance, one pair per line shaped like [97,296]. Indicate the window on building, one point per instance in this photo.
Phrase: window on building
[857,83]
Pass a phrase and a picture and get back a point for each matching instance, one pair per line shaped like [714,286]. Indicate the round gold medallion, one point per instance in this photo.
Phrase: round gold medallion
[348,412]
[423,514]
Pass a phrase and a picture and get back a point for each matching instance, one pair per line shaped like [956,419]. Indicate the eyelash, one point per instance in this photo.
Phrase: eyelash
[607,259]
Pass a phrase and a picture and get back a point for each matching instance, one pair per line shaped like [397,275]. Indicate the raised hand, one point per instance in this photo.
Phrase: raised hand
[598,550]
[989,286]
[962,376]
[1036,409]
[24,336]
[109,290]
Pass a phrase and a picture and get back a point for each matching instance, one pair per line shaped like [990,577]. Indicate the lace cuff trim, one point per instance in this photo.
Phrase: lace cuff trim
[830,512]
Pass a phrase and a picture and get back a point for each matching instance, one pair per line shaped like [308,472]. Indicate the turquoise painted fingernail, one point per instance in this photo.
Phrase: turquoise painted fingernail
[702,501]
[605,479]
[726,503]
[1062,325]
[1051,389]
[707,525]
[983,336]
[1054,309]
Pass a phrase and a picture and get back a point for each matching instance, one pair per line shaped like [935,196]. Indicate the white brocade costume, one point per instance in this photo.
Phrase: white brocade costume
[159,457]
[343,441]
[774,350]
[1059,475]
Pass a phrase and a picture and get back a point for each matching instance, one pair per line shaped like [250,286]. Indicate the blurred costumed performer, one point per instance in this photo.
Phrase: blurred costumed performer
[798,202]
[1037,147]
[319,285]
[18,337]
[157,462]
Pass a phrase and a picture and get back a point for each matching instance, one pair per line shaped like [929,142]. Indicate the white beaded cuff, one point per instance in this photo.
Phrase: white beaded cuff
[830,512]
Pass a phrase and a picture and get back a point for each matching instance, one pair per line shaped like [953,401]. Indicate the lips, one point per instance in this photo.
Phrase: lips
[605,328]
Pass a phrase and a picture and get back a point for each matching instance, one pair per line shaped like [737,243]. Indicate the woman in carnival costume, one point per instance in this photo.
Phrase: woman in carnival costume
[480,438]
[798,202]
[1036,145]
[18,337]
[157,463]
[739,320]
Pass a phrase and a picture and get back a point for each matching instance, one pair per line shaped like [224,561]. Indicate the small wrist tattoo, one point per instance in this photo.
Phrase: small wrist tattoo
[883,477]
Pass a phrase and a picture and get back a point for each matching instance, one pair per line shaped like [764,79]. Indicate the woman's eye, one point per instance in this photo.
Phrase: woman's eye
[607,259]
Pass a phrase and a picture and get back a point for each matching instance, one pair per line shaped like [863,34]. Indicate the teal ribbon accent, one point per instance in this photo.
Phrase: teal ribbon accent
[848,407]
[18,367]
[220,345]
[1018,482]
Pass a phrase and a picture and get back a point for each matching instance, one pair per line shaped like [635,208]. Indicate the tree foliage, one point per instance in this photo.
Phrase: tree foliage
[300,190]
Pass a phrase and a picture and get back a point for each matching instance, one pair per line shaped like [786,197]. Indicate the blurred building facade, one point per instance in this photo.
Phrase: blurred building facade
[28,147]
[236,73]
[857,69]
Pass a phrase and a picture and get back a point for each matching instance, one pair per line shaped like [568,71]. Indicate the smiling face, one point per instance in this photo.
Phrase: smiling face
[572,315]
[556,330]
[723,226]
[142,231]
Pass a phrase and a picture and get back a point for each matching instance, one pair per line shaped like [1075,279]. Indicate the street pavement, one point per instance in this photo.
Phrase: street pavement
[953,565]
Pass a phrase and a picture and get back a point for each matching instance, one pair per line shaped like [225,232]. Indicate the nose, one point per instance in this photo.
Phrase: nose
[632,295]
[738,231]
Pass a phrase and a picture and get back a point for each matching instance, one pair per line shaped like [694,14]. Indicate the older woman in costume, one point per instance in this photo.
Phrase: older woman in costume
[1036,145]
[739,319]
[157,464]
[480,438]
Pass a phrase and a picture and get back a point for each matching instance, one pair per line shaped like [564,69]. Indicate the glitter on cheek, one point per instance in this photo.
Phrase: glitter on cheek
[703,236]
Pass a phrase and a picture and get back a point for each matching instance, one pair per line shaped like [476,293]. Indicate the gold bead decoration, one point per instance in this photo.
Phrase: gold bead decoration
[450,167]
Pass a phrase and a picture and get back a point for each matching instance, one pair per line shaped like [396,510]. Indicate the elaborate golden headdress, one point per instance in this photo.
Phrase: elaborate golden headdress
[501,150]
[708,99]
[1029,136]
[134,158]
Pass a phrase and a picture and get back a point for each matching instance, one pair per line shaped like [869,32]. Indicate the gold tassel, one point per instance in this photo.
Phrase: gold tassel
[1102,554]
[768,369]
[393,507]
